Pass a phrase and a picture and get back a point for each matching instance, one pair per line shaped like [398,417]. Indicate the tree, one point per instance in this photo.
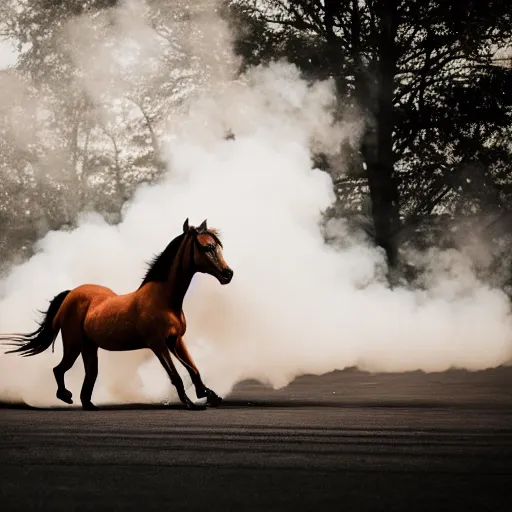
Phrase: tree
[427,79]
[80,124]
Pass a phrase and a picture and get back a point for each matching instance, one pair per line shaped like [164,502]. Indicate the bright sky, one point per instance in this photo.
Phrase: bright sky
[7,54]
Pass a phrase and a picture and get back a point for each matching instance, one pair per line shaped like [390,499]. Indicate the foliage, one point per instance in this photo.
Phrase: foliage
[82,111]
[449,114]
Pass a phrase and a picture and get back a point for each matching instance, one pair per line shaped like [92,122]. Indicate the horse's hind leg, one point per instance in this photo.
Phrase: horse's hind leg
[71,352]
[90,358]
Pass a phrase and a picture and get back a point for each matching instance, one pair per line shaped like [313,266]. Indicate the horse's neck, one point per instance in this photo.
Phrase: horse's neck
[180,276]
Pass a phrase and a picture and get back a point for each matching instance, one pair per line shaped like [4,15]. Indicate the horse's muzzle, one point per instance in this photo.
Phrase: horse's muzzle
[226,276]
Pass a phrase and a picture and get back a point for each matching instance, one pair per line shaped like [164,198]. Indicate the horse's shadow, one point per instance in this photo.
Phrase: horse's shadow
[262,404]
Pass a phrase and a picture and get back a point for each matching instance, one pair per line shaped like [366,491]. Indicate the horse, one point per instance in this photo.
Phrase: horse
[93,316]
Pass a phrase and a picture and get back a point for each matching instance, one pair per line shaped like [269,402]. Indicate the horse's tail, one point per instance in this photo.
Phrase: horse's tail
[38,341]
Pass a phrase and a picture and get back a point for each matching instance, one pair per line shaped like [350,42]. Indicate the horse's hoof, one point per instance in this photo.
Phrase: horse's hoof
[194,407]
[65,396]
[214,400]
[89,406]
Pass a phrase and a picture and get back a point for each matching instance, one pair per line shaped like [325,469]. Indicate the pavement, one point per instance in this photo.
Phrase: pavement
[348,441]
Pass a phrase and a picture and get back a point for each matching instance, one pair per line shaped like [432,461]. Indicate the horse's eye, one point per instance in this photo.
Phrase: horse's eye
[210,247]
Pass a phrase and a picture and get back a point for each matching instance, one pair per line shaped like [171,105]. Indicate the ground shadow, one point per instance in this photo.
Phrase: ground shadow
[278,404]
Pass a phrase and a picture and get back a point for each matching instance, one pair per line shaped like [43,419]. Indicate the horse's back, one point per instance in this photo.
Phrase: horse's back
[100,301]
[78,302]
[92,291]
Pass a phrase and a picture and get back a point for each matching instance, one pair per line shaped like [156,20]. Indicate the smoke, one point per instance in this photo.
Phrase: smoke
[7,54]
[296,305]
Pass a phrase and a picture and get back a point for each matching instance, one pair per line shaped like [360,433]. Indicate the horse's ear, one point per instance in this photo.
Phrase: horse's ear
[185,226]
[203,226]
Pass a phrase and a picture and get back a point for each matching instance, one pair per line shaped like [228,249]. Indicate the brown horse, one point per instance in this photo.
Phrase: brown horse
[92,317]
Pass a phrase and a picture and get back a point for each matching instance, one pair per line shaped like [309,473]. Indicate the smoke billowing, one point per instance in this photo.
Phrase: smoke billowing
[296,305]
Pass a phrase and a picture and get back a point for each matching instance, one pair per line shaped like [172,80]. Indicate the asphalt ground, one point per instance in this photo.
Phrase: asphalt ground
[344,441]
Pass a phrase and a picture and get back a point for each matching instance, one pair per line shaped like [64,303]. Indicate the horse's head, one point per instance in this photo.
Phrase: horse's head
[207,252]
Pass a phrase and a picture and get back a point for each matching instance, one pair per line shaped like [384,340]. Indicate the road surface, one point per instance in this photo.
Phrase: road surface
[341,442]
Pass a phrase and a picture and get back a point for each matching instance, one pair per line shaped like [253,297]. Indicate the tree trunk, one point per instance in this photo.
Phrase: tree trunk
[154,139]
[120,188]
[379,151]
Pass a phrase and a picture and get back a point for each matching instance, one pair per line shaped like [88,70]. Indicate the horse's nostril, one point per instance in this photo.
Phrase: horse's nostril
[228,272]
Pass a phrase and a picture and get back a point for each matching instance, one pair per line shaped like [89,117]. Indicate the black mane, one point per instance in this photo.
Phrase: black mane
[158,270]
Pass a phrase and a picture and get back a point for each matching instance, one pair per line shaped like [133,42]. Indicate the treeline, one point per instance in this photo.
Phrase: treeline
[80,120]
[432,80]
[434,84]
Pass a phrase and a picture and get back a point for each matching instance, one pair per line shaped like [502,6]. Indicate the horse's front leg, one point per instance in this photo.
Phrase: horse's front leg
[162,353]
[178,348]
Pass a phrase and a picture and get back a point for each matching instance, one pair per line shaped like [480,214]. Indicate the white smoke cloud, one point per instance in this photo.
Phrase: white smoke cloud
[8,55]
[295,305]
